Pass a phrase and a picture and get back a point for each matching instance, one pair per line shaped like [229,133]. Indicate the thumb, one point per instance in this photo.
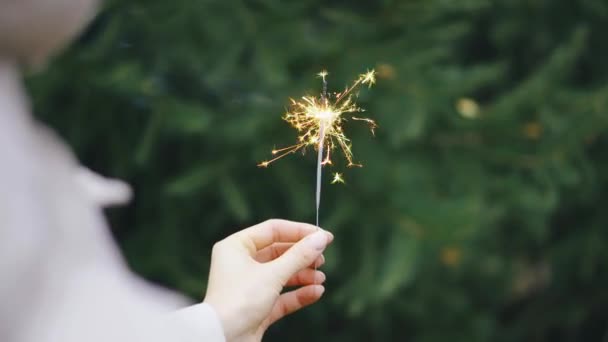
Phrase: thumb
[300,255]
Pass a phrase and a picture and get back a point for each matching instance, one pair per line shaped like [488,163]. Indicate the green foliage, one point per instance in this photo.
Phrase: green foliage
[478,215]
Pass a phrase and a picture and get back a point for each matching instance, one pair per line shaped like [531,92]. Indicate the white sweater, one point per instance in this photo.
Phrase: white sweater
[62,278]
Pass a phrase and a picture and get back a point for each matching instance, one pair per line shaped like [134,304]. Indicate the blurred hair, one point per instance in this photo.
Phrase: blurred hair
[33,30]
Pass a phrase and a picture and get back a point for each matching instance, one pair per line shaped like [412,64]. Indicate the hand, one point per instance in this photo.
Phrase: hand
[250,269]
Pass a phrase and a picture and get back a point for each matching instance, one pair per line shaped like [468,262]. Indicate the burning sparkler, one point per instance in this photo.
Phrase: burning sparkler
[319,121]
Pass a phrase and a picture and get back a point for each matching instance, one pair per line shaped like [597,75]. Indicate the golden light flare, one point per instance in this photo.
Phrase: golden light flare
[319,121]
[337,178]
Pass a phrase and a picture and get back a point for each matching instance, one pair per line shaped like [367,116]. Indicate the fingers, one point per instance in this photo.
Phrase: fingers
[272,252]
[271,231]
[292,301]
[300,255]
[307,276]
[275,250]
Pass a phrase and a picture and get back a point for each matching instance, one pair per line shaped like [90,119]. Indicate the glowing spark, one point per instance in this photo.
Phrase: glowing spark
[322,118]
[369,77]
[337,178]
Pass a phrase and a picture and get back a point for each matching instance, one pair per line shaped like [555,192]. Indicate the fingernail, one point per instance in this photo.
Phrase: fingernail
[317,240]
[321,261]
[320,277]
[329,234]
[319,289]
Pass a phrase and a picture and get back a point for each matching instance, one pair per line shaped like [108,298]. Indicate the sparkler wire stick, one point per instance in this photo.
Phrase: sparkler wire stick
[319,175]
[320,158]
[319,172]
[321,148]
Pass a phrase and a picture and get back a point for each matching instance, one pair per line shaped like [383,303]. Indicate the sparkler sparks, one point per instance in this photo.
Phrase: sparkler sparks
[337,178]
[319,121]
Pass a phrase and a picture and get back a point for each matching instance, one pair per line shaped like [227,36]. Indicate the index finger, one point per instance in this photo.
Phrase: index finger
[271,231]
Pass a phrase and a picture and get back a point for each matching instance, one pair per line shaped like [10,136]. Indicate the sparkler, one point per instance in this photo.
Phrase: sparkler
[321,118]
[319,122]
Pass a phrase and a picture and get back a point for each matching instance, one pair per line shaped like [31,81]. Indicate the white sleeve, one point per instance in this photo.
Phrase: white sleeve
[63,277]
[196,323]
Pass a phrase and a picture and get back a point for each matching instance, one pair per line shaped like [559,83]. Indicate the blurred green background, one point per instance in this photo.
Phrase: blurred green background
[480,214]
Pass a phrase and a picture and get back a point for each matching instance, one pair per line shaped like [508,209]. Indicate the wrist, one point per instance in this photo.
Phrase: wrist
[224,318]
